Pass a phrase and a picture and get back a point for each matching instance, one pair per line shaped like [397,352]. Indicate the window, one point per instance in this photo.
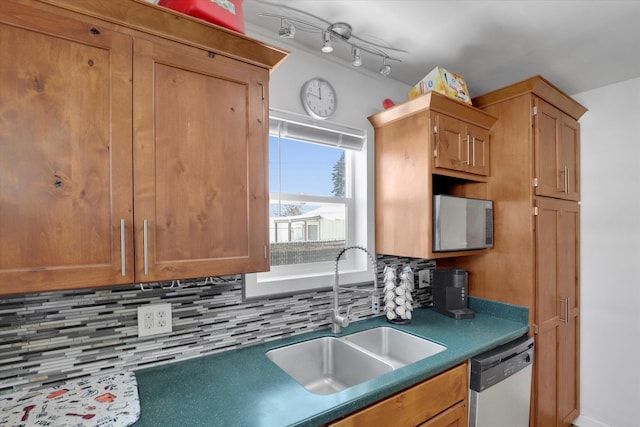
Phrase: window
[317,206]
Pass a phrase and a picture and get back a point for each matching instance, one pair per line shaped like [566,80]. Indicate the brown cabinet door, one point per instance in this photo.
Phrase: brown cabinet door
[569,331]
[548,310]
[200,147]
[479,138]
[65,153]
[455,416]
[556,362]
[570,157]
[451,147]
[460,146]
[557,156]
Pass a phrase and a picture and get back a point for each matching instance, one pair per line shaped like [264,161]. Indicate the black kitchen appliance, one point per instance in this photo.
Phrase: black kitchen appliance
[450,289]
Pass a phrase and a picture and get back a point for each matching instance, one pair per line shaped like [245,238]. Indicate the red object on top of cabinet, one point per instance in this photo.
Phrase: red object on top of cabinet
[227,13]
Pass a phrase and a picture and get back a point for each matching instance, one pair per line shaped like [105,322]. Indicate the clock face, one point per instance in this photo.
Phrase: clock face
[318,98]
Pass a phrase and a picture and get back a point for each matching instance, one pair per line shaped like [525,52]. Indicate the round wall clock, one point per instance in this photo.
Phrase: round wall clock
[318,98]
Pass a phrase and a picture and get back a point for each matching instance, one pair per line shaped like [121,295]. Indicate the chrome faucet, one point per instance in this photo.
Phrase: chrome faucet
[338,321]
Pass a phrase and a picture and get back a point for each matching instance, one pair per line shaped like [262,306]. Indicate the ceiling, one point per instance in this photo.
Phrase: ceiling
[578,45]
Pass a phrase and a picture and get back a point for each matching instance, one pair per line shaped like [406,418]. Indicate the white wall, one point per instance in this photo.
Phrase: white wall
[359,94]
[610,256]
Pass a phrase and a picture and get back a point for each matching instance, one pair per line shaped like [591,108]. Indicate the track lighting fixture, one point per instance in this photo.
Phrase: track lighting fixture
[357,59]
[385,70]
[287,30]
[337,32]
[326,42]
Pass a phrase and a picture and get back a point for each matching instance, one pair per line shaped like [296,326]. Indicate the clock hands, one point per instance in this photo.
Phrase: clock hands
[318,98]
[319,95]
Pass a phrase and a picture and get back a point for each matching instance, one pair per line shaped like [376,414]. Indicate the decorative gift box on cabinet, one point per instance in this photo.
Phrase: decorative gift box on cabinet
[227,13]
[444,82]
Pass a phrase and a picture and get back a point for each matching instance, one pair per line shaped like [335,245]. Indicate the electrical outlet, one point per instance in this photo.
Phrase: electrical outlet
[424,277]
[154,319]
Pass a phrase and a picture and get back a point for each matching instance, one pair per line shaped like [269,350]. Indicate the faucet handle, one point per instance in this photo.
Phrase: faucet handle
[345,320]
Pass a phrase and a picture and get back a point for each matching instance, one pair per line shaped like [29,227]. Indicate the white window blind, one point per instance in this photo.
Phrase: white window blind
[293,126]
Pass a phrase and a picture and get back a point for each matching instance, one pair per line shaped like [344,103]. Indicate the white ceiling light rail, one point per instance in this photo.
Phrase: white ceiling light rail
[339,32]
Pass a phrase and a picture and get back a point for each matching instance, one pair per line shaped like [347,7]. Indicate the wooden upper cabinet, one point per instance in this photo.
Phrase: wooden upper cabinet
[65,144]
[81,97]
[460,146]
[425,146]
[451,148]
[200,163]
[557,146]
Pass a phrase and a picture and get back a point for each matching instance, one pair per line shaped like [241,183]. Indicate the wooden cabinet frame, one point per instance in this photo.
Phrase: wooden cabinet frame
[421,149]
[535,259]
[89,129]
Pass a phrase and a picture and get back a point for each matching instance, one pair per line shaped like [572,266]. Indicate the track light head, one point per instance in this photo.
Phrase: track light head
[326,42]
[287,30]
[385,70]
[357,58]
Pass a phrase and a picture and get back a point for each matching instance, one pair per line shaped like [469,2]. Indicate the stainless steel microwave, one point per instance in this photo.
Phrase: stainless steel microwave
[461,223]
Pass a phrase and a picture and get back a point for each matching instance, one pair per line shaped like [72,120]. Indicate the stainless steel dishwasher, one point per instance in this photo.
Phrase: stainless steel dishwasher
[500,385]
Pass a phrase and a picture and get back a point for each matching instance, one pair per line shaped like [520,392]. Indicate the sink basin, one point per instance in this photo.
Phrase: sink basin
[327,365]
[395,347]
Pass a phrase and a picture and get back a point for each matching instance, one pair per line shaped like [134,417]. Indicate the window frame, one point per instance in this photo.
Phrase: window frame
[355,266]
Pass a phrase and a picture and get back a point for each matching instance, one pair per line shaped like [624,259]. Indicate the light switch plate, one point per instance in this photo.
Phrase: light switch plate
[154,319]
[424,278]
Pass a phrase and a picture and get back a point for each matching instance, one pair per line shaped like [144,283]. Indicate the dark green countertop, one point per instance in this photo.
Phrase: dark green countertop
[244,388]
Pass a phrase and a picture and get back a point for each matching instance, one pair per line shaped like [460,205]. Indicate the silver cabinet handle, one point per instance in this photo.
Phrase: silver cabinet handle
[564,318]
[145,239]
[473,151]
[565,183]
[468,143]
[564,172]
[123,258]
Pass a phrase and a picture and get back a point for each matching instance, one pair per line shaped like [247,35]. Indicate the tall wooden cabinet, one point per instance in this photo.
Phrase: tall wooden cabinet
[133,146]
[535,184]
[425,146]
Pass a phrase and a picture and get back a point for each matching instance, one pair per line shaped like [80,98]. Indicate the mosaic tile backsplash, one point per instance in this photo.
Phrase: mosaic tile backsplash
[55,336]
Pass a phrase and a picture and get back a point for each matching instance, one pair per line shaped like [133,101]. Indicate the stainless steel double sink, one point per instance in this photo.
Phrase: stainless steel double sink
[328,365]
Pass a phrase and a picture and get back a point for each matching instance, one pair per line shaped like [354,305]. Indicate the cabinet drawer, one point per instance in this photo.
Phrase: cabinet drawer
[415,405]
[456,416]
